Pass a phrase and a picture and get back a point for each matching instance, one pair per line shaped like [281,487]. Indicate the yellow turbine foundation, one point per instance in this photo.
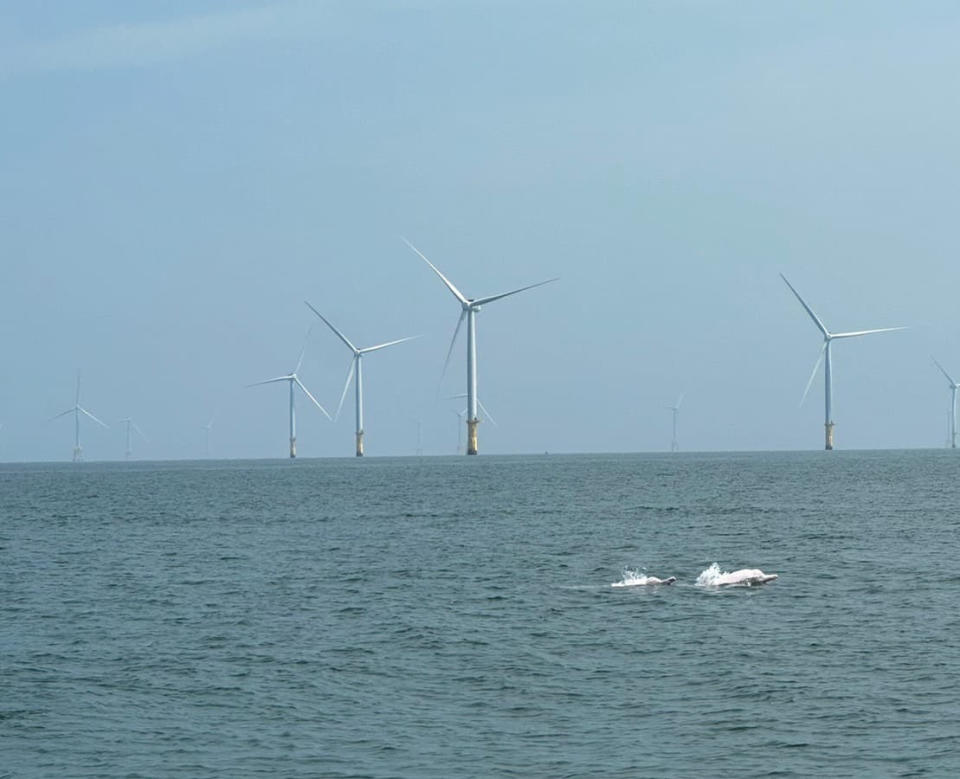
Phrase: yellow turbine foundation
[472,435]
[829,429]
[360,443]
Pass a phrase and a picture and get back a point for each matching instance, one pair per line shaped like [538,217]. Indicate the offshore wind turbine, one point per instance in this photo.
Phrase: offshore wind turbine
[953,404]
[293,380]
[207,428]
[77,410]
[468,310]
[131,425]
[675,408]
[828,339]
[460,416]
[356,366]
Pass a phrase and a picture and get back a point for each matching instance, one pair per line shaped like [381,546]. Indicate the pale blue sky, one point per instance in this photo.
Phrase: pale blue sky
[178,177]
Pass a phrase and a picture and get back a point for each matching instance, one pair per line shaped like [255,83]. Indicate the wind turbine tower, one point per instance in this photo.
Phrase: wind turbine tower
[828,339]
[675,408]
[131,425]
[77,410]
[293,380]
[468,310]
[953,404]
[356,365]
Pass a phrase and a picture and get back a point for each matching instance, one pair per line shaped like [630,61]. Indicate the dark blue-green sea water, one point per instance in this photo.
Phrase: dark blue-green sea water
[447,617]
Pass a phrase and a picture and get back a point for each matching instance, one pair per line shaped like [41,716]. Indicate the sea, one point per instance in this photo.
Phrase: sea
[482,617]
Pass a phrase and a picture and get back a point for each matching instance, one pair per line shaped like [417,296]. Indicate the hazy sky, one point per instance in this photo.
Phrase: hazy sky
[176,178]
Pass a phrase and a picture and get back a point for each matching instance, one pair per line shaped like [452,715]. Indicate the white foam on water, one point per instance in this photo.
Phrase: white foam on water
[633,579]
[710,577]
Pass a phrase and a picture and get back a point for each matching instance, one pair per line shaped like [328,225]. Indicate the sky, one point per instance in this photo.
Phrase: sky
[179,177]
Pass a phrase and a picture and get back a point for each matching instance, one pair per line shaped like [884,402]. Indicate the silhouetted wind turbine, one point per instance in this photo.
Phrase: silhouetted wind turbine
[828,339]
[292,379]
[468,310]
[460,416]
[675,408]
[207,428]
[953,404]
[77,410]
[131,425]
[356,365]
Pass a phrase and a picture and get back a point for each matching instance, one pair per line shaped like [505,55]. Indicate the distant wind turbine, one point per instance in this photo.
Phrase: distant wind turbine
[483,408]
[675,408]
[356,365]
[468,310]
[207,428]
[77,410]
[292,379]
[460,416]
[953,404]
[131,425]
[828,339]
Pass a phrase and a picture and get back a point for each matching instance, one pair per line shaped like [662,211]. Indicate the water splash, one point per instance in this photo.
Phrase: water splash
[633,578]
[710,577]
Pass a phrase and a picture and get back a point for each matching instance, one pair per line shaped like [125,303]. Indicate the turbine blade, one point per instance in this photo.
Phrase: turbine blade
[346,386]
[456,332]
[943,371]
[266,381]
[679,401]
[303,351]
[483,408]
[342,337]
[484,301]
[816,367]
[63,414]
[814,317]
[139,431]
[388,343]
[867,332]
[84,411]
[456,292]
[315,401]
[78,388]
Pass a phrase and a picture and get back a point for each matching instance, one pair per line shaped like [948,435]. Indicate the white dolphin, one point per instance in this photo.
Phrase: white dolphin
[713,577]
[747,576]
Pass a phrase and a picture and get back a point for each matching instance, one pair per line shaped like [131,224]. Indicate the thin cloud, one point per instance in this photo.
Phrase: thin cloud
[138,45]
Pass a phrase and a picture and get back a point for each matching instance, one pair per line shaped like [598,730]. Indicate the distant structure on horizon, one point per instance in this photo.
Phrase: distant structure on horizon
[77,410]
[356,365]
[292,379]
[130,424]
[828,339]
[952,438]
[207,428]
[468,310]
[675,408]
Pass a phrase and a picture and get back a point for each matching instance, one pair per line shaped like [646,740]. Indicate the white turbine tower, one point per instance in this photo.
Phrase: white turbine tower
[356,365]
[953,404]
[468,310]
[292,379]
[828,339]
[675,408]
[131,425]
[77,410]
